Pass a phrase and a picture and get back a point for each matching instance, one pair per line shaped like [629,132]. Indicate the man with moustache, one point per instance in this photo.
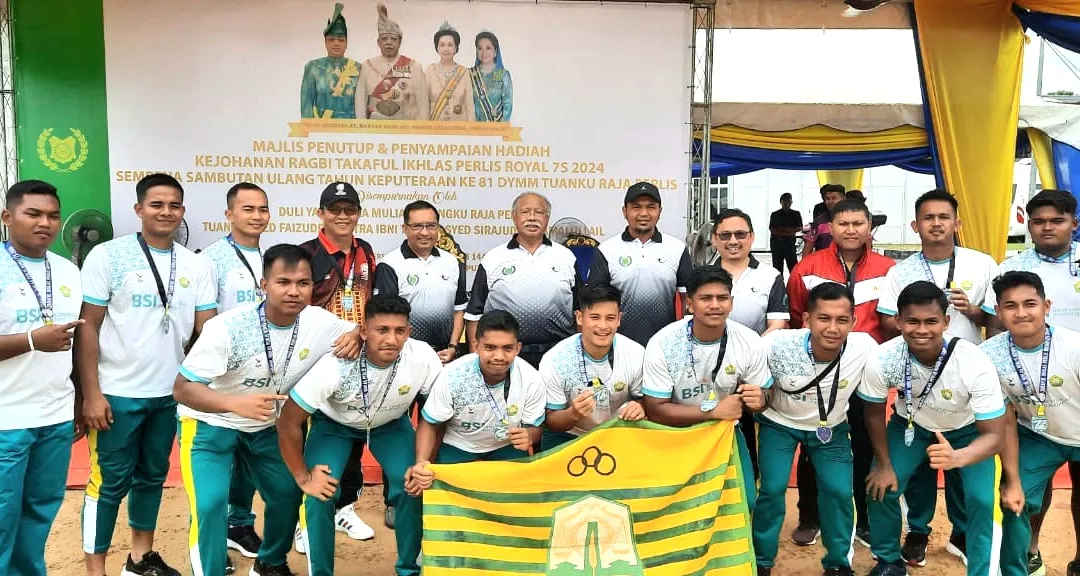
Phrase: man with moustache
[529,277]
[237,265]
[343,267]
[393,86]
[328,89]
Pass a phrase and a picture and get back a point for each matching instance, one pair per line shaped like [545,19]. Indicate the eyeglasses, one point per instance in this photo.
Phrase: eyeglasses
[339,210]
[533,212]
[738,234]
[429,226]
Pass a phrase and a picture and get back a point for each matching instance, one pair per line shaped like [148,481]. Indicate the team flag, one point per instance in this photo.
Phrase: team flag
[627,499]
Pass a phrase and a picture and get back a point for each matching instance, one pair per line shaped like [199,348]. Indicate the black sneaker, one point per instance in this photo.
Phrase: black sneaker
[889,569]
[1073,568]
[229,568]
[957,546]
[862,535]
[805,534]
[914,550]
[260,569]
[839,571]
[244,540]
[391,516]
[151,565]
[1035,564]
[763,571]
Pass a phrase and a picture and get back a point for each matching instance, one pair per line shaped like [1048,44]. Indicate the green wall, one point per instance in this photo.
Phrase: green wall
[59,66]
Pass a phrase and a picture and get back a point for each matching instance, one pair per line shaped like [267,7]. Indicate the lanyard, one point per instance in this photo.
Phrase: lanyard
[365,384]
[352,268]
[823,411]
[501,414]
[851,273]
[265,325]
[930,273]
[45,306]
[166,296]
[1074,263]
[1038,393]
[584,372]
[243,260]
[935,375]
[690,352]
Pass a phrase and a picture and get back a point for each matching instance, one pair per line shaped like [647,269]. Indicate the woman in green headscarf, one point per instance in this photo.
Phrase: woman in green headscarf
[493,91]
[448,82]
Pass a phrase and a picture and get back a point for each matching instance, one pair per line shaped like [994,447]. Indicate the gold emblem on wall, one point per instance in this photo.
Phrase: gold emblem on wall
[66,154]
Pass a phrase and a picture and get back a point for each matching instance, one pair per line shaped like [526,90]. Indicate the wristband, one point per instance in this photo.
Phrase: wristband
[30,340]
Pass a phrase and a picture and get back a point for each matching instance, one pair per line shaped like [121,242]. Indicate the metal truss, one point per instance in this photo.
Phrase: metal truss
[701,92]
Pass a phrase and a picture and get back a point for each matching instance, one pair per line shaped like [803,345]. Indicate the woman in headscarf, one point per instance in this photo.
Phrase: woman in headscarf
[492,87]
[448,82]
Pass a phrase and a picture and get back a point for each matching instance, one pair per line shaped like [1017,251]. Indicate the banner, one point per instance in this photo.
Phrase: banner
[601,504]
[475,103]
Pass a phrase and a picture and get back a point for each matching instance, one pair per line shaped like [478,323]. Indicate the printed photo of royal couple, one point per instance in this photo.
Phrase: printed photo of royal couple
[392,86]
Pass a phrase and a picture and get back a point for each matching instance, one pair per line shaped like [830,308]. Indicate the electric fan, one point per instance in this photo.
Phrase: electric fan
[181,234]
[83,230]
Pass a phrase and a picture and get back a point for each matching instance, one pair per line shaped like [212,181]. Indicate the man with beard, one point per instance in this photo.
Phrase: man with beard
[393,86]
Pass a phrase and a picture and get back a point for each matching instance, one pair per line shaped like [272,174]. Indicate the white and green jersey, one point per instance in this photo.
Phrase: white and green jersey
[472,409]
[618,375]
[792,369]
[683,369]
[334,386]
[36,388]
[967,390]
[230,357]
[1061,279]
[1060,394]
[237,281]
[973,273]
[137,357]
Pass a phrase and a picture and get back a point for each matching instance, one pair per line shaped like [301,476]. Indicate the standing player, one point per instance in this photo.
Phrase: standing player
[363,400]
[646,266]
[948,396]
[703,368]
[815,370]
[964,275]
[1056,259]
[145,300]
[40,294]
[237,265]
[593,376]
[229,389]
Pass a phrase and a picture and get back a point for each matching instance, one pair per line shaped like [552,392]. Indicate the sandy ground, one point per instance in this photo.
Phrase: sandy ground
[376,557]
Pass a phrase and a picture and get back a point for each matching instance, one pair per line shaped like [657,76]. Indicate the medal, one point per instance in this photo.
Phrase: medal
[365,385]
[45,306]
[275,377]
[935,375]
[710,402]
[909,434]
[165,295]
[600,392]
[824,432]
[1037,393]
[501,429]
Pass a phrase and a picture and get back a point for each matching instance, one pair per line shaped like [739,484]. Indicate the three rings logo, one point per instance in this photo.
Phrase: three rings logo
[594,458]
[66,154]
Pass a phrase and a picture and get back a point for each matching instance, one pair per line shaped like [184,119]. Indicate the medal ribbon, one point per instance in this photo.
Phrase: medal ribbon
[365,384]
[851,273]
[1038,393]
[690,352]
[935,375]
[823,411]
[585,372]
[165,295]
[930,273]
[243,260]
[1074,262]
[45,306]
[501,414]
[265,325]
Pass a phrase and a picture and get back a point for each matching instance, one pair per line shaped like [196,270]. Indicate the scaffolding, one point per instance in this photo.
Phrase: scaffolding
[8,151]
[701,77]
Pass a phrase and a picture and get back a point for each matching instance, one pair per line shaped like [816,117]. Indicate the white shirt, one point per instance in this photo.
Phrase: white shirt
[974,273]
[230,357]
[967,390]
[36,388]
[619,372]
[434,287]
[334,387]
[137,358]
[792,369]
[461,399]
[648,275]
[758,295]
[237,284]
[670,374]
[1062,400]
[1059,279]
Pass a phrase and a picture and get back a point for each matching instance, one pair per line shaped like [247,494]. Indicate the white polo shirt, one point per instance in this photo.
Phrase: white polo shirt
[463,400]
[648,275]
[137,358]
[1061,280]
[1062,400]
[671,374]
[434,287]
[619,372]
[230,358]
[973,273]
[967,390]
[538,289]
[237,280]
[333,386]
[792,369]
[758,295]
[36,388]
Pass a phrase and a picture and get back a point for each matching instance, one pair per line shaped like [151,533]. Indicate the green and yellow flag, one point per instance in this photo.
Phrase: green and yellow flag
[627,499]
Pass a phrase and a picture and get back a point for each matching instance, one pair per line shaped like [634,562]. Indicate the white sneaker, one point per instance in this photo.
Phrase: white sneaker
[348,522]
[298,541]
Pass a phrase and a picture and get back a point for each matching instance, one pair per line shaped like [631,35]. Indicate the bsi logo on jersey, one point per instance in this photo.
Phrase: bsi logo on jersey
[257,382]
